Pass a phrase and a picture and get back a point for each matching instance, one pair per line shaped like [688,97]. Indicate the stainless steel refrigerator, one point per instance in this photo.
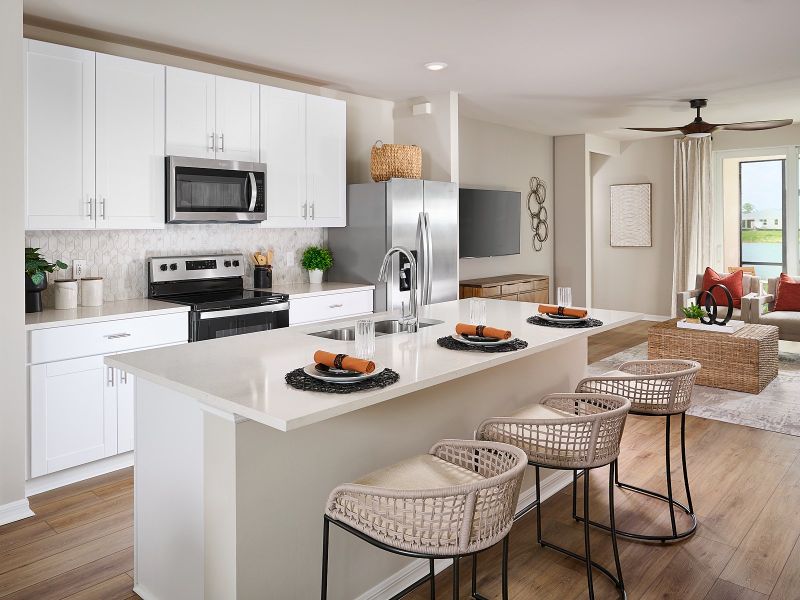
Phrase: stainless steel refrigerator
[420,215]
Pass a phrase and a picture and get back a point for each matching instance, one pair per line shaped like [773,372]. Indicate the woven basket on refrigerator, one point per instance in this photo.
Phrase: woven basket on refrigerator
[395,160]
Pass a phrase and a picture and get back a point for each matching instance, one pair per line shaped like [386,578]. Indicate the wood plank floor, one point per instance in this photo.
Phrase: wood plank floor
[745,486]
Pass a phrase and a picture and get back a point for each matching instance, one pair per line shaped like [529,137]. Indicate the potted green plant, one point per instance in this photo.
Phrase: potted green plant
[316,260]
[36,269]
[693,313]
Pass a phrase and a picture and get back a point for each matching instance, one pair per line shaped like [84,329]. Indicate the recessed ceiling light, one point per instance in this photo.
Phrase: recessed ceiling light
[435,66]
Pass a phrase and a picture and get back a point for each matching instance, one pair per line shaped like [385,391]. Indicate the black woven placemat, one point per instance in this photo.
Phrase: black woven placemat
[451,344]
[537,320]
[300,381]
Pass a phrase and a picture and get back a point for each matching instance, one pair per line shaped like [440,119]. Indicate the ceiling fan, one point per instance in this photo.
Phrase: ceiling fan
[699,128]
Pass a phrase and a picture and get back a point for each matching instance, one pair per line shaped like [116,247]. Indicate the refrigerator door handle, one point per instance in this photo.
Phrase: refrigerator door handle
[422,257]
[428,259]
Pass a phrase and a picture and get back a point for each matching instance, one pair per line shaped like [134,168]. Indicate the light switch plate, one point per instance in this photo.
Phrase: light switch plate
[78,269]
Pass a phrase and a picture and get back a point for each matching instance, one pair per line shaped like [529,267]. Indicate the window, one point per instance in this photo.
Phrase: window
[761,196]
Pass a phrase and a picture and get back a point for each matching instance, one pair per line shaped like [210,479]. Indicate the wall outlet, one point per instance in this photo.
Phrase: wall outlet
[78,269]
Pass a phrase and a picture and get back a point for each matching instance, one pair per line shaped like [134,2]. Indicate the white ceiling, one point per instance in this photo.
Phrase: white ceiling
[555,66]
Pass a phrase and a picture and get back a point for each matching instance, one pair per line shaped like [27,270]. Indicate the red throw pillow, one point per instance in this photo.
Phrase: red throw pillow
[787,296]
[732,281]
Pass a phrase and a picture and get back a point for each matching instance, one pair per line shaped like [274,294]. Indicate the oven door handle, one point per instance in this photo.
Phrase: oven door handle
[249,310]
[253,191]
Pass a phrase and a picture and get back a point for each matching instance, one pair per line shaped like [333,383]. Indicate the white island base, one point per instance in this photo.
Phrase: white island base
[231,508]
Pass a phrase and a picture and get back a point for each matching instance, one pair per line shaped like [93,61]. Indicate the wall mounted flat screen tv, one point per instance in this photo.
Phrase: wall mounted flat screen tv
[488,223]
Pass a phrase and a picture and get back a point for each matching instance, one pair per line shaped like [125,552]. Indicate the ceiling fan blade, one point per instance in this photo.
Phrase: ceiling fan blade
[756,125]
[654,128]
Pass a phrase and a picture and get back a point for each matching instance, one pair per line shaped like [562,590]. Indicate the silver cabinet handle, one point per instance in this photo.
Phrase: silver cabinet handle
[123,377]
[253,191]
[222,142]
[89,203]
[305,210]
[335,305]
[103,208]
[110,376]
[115,336]
[213,138]
[311,211]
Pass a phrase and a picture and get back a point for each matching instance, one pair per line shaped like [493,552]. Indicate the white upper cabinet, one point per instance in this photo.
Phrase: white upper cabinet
[211,117]
[190,113]
[325,161]
[303,145]
[130,143]
[283,149]
[60,136]
[237,119]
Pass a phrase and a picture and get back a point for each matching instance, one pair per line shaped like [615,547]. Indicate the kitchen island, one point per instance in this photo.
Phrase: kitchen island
[233,467]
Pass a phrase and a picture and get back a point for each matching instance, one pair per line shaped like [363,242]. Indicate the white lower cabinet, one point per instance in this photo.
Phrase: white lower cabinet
[80,409]
[311,309]
[73,414]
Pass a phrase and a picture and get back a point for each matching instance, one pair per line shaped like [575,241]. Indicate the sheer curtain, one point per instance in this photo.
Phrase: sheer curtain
[694,207]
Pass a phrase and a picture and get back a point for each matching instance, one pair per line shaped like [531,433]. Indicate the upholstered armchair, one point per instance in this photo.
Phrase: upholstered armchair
[761,310]
[750,285]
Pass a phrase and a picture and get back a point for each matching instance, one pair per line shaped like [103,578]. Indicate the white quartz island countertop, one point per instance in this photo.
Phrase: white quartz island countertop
[245,375]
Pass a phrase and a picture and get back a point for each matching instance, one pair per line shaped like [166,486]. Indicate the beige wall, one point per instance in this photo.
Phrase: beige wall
[12,367]
[368,119]
[638,279]
[498,157]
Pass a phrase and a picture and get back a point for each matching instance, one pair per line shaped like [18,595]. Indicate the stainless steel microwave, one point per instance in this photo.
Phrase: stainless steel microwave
[203,190]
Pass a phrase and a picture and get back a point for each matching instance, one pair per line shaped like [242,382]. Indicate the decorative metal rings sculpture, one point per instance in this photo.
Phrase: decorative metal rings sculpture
[538,215]
[711,305]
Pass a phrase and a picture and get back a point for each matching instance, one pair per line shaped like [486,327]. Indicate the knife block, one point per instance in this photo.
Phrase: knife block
[262,277]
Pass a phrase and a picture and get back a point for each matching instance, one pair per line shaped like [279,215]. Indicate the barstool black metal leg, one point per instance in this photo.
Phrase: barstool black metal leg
[433,580]
[455,578]
[575,494]
[612,519]
[325,536]
[683,461]
[504,574]
[474,575]
[586,541]
[538,509]
[669,479]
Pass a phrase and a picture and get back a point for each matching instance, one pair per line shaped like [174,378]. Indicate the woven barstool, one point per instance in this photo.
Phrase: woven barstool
[568,432]
[655,388]
[457,500]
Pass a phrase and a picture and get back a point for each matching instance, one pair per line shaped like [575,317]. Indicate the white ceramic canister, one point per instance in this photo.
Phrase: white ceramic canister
[66,293]
[92,291]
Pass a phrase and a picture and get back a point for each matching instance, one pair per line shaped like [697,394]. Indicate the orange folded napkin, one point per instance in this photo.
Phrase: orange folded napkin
[482,331]
[567,311]
[343,361]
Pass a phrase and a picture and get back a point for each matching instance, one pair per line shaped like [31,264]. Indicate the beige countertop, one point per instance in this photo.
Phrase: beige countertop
[109,311]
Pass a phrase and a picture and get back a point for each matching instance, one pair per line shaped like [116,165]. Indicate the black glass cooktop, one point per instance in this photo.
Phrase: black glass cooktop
[226,298]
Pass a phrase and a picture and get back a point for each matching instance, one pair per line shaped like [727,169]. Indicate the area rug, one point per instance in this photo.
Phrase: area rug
[776,408]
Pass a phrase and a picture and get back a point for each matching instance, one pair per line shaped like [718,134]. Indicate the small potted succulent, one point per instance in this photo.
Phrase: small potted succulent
[316,260]
[36,269]
[693,313]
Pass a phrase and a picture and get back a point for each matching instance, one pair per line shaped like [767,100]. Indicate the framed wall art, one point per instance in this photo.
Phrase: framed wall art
[630,216]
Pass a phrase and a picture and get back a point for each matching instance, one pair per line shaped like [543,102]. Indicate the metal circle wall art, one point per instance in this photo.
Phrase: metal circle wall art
[538,215]
[710,304]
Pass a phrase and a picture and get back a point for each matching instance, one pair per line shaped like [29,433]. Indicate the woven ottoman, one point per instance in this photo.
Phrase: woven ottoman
[745,361]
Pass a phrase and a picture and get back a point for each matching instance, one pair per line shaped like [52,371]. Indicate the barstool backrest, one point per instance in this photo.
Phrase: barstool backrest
[658,387]
[456,520]
[586,436]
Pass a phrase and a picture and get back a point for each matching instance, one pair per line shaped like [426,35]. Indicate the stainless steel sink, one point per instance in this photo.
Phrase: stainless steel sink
[385,327]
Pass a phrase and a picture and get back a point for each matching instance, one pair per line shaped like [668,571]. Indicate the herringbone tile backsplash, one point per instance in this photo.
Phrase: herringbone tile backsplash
[119,256]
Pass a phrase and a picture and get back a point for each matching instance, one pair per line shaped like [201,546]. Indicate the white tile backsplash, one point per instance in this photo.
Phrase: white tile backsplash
[119,256]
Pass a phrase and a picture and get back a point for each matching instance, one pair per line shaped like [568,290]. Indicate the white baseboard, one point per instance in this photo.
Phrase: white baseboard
[14,511]
[51,481]
[419,568]
[143,593]
[655,318]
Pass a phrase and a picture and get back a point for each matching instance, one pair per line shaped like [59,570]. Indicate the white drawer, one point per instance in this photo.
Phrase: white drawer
[329,306]
[106,337]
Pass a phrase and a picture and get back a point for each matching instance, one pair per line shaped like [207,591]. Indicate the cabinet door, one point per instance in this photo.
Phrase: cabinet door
[125,407]
[237,119]
[59,136]
[283,149]
[190,129]
[73,414]
[130,144]
[325,152]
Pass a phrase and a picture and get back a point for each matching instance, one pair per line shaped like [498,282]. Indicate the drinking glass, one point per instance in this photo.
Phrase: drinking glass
[564,296]
[365,338]
[477,311]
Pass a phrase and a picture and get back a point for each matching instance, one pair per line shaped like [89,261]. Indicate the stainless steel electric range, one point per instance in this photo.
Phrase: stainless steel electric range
[213,287]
